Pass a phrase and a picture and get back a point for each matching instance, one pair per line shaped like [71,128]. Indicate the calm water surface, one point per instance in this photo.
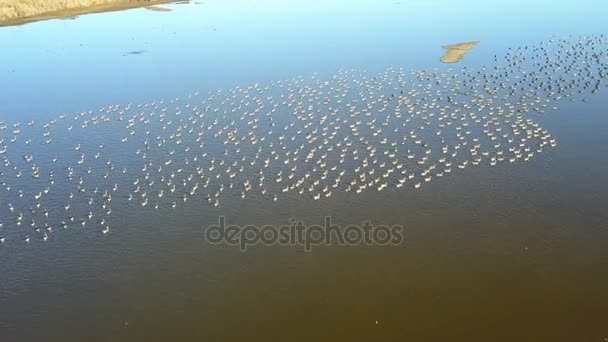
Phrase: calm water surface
[511,253]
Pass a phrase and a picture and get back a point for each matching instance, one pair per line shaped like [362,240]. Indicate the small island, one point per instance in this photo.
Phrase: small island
[16,12]
[456,52]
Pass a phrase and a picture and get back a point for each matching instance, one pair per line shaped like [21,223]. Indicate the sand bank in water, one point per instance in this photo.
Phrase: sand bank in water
[456,52]
[15,12]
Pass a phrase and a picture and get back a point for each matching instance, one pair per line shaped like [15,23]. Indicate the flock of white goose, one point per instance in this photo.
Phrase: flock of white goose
[317,136]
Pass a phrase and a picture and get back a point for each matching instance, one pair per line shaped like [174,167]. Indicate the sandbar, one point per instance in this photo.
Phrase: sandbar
[456,52]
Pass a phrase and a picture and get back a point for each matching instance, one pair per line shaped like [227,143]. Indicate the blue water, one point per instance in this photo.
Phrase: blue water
[516,252]
[60,66]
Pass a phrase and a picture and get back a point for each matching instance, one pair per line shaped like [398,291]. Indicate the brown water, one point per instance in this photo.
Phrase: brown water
[516,252]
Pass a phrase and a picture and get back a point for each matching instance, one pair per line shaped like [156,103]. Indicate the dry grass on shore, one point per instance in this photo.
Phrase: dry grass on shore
[14,12]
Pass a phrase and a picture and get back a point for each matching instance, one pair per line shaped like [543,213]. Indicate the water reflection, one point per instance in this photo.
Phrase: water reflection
[158,8]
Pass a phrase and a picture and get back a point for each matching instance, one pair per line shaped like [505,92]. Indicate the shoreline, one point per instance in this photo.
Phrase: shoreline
[19,12]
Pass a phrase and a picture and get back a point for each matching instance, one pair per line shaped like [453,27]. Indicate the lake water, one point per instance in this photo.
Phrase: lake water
[515,252]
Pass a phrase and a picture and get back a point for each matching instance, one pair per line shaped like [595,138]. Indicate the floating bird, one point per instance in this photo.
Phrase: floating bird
[317,137]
